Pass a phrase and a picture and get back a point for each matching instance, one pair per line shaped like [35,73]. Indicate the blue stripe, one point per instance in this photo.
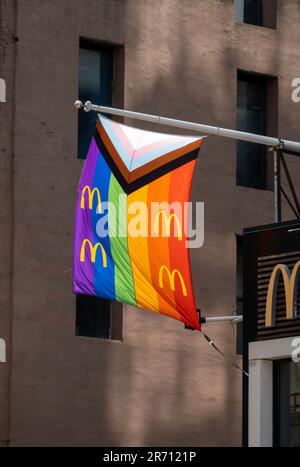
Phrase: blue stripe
[104,278]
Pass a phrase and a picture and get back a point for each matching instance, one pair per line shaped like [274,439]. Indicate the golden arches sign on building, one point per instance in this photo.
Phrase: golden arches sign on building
[291,284]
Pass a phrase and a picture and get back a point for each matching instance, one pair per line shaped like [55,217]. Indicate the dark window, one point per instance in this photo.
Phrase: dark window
[93,317]
[253,13]
[257,12]
[251,117]
[95,83]
[97,317]
[239,293]
[286,404]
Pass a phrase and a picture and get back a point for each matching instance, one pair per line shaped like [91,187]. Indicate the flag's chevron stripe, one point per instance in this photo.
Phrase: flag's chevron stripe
[117,220]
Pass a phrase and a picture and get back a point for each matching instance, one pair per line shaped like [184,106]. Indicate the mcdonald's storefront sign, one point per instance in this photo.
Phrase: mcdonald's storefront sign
[270,303]
[291,280]
[271,281]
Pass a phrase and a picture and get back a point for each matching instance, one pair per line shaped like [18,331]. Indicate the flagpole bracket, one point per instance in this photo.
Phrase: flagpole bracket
[234,319]
[87,106]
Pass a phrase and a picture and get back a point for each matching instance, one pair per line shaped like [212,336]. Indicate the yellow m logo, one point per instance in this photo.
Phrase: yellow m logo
[91,194]
[291,284]
[171,277]
[168,219]
[93,252]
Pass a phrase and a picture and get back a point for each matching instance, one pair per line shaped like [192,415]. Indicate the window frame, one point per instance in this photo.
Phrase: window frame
[269,14]
[117,99]
[271,115]
[105,97]
[114,317]
[252,78]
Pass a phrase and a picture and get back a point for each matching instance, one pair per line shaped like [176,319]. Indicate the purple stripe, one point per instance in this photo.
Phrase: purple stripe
[83,273]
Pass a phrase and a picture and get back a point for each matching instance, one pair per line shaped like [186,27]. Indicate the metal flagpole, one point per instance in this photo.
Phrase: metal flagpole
[234,319]
[276,143]
[205,129]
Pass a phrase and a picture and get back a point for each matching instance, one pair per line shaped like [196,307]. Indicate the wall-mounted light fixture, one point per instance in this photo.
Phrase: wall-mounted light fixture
[2,90]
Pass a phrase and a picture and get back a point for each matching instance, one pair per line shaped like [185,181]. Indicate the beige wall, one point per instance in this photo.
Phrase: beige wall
[163,385]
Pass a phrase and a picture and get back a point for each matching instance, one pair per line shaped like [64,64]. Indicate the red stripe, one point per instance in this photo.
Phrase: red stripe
[180,186]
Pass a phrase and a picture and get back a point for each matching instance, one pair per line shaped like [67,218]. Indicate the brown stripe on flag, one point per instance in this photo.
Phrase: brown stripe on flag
[163,160]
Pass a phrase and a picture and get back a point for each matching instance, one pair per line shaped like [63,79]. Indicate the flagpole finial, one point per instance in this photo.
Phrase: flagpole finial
[78,105]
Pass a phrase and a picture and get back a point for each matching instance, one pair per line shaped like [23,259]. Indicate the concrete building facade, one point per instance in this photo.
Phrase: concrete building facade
[162,384]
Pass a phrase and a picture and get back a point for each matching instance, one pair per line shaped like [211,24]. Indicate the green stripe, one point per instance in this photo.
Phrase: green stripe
[124,284]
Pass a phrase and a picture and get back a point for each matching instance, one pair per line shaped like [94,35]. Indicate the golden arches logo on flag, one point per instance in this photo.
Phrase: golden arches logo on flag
[93,252]
[90,196]
[168,219]
[171,277]
[149,271]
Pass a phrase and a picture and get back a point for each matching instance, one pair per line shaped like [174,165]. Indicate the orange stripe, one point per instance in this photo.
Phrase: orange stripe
[180,258]
[158,191]
[146,295]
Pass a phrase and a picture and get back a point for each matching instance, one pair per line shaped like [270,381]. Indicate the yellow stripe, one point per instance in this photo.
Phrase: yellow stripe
[146,295]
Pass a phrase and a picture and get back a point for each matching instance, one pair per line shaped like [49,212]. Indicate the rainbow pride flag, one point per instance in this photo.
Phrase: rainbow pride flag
[129,240]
